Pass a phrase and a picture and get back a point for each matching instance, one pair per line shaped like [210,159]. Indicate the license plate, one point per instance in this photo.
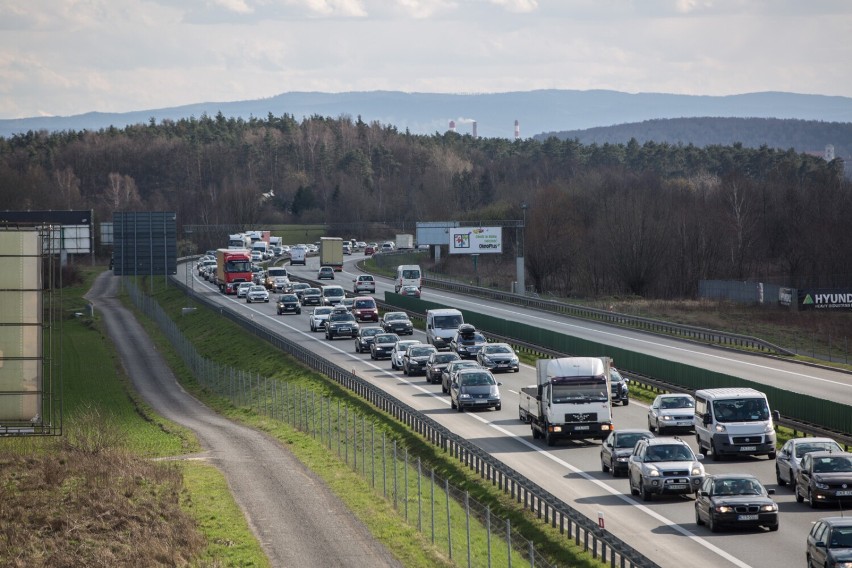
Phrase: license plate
[502,364]
[843,493]
[746,517]
[581,427]
[676,486]
[748,448]
[344,330]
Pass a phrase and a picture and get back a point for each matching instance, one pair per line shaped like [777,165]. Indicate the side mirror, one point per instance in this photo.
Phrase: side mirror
[699,457]
[819,544]
[770,491]
[707,420]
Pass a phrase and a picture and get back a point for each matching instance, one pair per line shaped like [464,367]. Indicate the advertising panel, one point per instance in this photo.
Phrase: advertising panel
[21,312]
[825,299]
[476,240]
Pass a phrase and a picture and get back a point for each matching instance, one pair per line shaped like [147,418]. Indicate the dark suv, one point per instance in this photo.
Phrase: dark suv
[341,324]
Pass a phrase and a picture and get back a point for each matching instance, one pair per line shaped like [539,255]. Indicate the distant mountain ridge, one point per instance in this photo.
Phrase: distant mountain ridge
[494,113]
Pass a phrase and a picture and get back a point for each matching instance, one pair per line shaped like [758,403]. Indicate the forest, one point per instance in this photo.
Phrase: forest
[649,219]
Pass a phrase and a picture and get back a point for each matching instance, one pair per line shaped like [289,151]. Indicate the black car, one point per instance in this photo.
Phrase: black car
[467,342]
[311,297]
[299,287]
[415,358]
[365,338]
[616,449]
[498,357]
[341,324]
[383,345]
[735,500]
[437,363]
[829,543]
[289,304]
[618,384]
[825,477]
[398,323]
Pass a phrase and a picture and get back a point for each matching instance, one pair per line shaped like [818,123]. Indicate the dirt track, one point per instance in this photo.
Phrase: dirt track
[297,519]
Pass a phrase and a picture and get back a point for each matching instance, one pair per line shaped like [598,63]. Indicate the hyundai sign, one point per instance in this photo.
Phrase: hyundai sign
[476,240]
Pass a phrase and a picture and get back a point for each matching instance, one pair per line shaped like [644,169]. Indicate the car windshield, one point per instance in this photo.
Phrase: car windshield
[476,379]
[471,338]
[677,402]
[420,351]
[448,322]
[395,316]
[737,486]
[289,298]
[370,331]
[334,292]
[841,537]
[673,452]
[386,338]
[808,447]
[831,464]
[497,349]
[628,439]
[741,410]
[311,292]
[258,289]
[365,304]
[402,346]
[322,311]
[445,357]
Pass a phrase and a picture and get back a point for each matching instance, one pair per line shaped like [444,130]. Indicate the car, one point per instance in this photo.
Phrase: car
[370,250]
[671,411]
[365,338]
[475,388]
[617,447]
[436,364]
[467,341]
[398,323]
[243,289]
[498,357]
[257,294]
[618,385]
[288,304]
[256,256]
[325,273]
[829,543]
[664,466]
[789,458]
[825,477]
[453,367]
[340,324]
[399,351]
[360,245]
[382,346]
[311,297]
[332,295]
[364,283]
[318,317]
[410,291]
[347,303]
[364,308]
[415,358]
[347,248]
[387,247]
[298,287]
[735,500]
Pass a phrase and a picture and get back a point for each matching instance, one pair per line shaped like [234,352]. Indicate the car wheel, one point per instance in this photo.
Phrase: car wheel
[633,490]
[443,387]
[452,403]
[811,501]
[711,523]
[626,402]
[604,467]
[498,407]
[799,497]
[646,495]
[774,527]
[715,452]
[698,520]
[778,477]
[404,370]
[372,355]
[550,438]
[651,426]
[771,455]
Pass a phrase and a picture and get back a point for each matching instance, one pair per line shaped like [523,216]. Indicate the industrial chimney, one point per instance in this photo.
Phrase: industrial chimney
[452,126]
[473,132]
[517,129]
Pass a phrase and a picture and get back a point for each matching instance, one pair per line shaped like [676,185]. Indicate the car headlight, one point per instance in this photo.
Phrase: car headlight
[666,418]
[769,508]
[724,509]
[495,392]
[513,361]
[697,470]
[768,428]
[652,472]
[464,395]
[820,485]
[622,458]
[721,428]
[487,360]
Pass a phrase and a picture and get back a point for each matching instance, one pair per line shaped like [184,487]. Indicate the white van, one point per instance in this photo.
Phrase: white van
[297,255]
[442,325]
[406,275]
[733,421]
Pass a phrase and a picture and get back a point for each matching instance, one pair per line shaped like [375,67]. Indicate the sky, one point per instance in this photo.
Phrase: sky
[67,57]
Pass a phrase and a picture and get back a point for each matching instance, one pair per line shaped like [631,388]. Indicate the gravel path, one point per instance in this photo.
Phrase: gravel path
[298,521]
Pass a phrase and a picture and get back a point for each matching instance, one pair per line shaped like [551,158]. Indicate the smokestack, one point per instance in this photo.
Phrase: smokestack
[452,126]
[517,129]
[473,132]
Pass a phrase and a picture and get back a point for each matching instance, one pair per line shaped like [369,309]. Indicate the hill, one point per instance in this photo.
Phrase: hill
[807,136]
[494,113]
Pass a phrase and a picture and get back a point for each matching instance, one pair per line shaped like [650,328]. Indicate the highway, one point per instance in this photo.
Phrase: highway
[664,529]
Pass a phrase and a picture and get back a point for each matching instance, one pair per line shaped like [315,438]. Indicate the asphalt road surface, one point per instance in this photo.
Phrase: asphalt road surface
[298,521]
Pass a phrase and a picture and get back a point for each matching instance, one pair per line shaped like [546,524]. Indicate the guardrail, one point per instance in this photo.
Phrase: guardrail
[546,506]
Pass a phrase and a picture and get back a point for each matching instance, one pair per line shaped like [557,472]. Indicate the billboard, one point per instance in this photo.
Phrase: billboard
[21,325]
[825,299]
[71,231]
[145,243]
[476,240]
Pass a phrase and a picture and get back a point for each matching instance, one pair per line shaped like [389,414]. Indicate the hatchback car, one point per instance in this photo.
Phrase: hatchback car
[257,294]
[617,447]
[325,273]
[364,308]
[452,368]
[340,324]
[671,411]
[825,477]
[498,357]
[365,338]
[299,287]
[735,500]
[436,364]
[467,341]
[415,359]
[399,352]
[410,291]
[789,458]
[383,345]
[664,466]
[475,388]
[288,304]
[318,317]
[829,543]
[311,297]
[243,289]
[398,323]
[370,250]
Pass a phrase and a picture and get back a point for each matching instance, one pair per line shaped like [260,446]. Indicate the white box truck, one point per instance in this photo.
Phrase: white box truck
[404,242]
[570,401]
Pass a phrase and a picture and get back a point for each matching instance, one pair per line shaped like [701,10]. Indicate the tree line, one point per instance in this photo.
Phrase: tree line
[648,219]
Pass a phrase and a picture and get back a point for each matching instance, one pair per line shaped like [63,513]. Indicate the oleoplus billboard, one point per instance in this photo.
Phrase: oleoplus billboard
[21,318]
[476,240]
